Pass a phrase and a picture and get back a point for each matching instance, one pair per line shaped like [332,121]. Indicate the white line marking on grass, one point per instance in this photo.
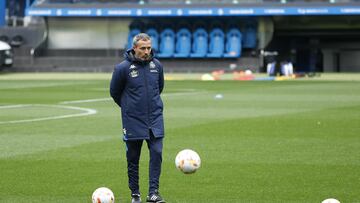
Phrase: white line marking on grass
[85,101]
[109,98]
[14,106]
[86,112]
[56,84]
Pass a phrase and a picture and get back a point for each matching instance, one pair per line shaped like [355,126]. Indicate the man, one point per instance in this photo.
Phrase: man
[136,85]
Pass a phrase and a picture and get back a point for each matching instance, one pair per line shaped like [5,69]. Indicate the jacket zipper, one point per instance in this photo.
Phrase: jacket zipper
[147,95]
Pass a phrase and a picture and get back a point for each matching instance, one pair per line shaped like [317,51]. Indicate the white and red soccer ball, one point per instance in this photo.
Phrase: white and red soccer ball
[188,161]
[331,200]
[103,195]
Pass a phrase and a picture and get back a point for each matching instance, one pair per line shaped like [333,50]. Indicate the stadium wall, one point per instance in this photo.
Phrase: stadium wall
[87,33]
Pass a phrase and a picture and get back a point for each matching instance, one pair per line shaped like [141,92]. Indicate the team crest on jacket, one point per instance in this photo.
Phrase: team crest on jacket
[134,73]
[132,66]
[152,64]
[152,67]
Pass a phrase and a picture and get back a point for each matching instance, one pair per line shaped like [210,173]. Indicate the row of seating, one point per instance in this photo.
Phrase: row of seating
[200,43]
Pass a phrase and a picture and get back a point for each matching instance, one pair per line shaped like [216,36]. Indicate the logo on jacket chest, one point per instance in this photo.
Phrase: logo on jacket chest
[153,67]
[134,73]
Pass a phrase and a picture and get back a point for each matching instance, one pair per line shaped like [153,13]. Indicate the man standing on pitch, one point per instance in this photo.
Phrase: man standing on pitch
[136,85]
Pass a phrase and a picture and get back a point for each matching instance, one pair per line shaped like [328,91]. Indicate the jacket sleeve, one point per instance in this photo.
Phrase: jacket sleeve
[117,84]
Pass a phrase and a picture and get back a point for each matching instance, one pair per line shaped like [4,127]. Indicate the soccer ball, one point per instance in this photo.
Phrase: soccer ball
[187,161]
[331,200]
[103,195]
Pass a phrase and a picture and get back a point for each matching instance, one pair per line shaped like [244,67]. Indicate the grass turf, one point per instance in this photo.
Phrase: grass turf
[288,141]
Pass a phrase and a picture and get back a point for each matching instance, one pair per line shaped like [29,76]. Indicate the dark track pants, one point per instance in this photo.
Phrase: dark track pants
[133,151]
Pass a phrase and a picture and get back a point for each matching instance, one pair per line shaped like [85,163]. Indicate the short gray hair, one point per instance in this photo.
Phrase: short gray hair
[140,36]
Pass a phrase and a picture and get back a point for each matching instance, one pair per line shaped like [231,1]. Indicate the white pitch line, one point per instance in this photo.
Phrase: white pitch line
[85,101]
[14,106]
[109,98]
[86,112]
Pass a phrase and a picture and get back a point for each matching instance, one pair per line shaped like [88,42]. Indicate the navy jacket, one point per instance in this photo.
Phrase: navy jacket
[136,87]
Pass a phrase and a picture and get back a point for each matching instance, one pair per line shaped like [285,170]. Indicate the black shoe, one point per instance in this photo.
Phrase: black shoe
[135,198]
[155,198]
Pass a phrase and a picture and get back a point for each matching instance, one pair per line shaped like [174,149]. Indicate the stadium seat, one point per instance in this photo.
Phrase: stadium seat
[167,43]
[131,35]
[183,43]
[200,43]
[216,46]
[233,43]
[154,35]
[250,37]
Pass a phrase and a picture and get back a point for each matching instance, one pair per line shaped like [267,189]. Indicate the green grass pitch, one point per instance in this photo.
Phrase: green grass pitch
[263,142]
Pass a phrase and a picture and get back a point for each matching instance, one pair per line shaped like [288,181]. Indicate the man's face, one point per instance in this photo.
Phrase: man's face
[142,49]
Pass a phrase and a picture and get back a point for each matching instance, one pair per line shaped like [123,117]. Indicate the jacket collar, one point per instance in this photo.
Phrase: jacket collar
[130,56]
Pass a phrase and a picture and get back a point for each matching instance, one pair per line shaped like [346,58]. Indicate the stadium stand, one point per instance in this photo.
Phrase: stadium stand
[135,28]
[153,33]
[183,43]
[131,35]
[233,43]
[167,43]
[196,45]
[82,33]
[216,45]
[250,37]
[200,43]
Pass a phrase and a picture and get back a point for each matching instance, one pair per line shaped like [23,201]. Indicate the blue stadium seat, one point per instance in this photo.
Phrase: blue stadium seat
[131,35]
[183,43]
[233,43]
[250,37]
[216,46]
[200,43]
[154,35]
[167,43]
